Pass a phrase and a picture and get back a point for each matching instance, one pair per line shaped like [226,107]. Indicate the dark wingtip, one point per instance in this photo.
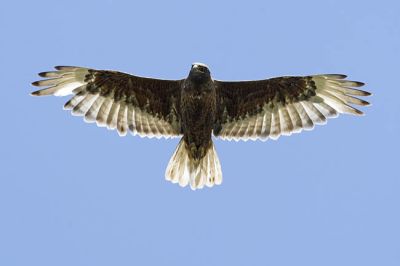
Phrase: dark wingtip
[336,76]
[341,76]
[35,83]
[365,103]
[42,74]
[35,93]
[365,93]
[65,67]
[358,112]
[359,84]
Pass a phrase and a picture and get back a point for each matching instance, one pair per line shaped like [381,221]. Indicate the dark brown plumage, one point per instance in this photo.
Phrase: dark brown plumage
[198,106]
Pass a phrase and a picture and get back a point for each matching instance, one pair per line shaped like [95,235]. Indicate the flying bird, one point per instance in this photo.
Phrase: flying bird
[197,107]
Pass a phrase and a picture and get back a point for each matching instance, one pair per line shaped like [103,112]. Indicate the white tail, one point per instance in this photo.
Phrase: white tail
[199,173]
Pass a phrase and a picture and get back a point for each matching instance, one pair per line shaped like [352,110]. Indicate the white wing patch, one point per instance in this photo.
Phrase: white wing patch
[334,95]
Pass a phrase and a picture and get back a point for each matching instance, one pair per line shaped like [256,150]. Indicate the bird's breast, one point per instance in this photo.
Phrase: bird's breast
[198,115]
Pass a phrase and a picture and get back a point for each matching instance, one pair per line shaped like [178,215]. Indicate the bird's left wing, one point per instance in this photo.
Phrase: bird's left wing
[281,106]
[144,106]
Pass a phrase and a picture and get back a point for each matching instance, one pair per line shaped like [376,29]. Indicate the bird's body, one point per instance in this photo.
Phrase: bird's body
[195,159]
[199,107]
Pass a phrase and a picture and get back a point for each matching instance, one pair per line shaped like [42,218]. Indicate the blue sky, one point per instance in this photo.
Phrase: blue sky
[75,194]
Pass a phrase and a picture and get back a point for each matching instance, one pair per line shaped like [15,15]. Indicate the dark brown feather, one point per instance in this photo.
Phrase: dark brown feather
[157,97]
[155,102]
[198,107]
[235,100]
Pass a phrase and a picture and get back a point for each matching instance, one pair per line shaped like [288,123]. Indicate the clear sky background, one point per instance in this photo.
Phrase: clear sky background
[75,194]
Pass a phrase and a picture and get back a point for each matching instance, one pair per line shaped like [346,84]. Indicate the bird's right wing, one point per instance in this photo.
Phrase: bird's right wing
[269,108]
[145,106]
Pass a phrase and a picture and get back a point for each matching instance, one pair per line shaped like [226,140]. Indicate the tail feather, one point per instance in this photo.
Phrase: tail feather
[198,173]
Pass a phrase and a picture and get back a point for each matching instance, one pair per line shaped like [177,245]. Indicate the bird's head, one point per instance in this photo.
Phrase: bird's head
[200,67]
[199,73]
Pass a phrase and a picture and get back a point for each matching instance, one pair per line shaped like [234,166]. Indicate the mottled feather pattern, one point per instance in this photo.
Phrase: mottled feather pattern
[199,106]
[117,100]
[287,104]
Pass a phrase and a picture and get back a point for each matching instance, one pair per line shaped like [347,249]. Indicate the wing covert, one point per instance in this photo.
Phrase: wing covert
[144,106]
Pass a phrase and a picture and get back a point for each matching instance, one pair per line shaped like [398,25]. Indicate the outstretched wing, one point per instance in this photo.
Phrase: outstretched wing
[144,106]
[281,106]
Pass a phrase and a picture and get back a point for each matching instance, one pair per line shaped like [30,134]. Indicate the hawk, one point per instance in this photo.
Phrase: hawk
[197,107]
